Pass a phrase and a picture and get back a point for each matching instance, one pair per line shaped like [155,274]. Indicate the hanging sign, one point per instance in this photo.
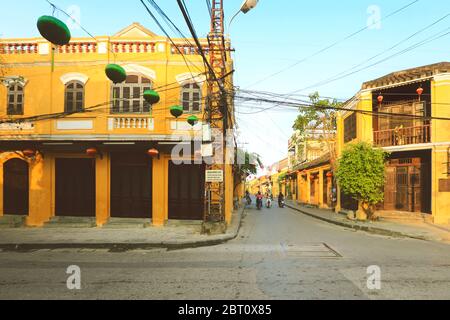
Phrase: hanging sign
[214,176]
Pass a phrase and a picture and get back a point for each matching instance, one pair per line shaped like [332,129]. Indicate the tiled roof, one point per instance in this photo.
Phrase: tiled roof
[408,75]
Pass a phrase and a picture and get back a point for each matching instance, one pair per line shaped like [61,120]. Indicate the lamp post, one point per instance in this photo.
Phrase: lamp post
[247,6]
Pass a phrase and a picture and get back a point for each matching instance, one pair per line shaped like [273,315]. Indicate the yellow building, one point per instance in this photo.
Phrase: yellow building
[418,171]
[95,162]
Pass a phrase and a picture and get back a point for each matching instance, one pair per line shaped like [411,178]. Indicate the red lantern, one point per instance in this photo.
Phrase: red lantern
[420,91]
[92,152]
[29,153]
[380,99]
[153,153]
[330,175]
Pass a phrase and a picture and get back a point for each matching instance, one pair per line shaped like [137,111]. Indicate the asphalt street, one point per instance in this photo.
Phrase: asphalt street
[279,254]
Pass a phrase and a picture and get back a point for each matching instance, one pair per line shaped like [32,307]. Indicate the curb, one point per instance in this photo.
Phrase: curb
[373,230]
[127,246]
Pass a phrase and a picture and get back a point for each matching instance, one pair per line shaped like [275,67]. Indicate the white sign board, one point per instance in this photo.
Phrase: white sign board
[214,176]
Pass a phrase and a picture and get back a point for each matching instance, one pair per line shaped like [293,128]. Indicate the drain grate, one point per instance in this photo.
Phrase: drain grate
[319,250]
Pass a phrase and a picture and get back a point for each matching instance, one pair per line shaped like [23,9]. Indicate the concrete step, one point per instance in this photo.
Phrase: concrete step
[9,221]
[175,223]
[396,216]
[71,222]
[127,223]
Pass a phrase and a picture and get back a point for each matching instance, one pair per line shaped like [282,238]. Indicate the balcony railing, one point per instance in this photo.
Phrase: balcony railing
[403,136]
[130,122]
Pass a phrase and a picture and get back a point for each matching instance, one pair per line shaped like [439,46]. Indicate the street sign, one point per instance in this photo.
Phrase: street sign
[214,176]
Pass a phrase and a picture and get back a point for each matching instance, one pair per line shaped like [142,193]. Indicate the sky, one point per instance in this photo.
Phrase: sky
[273,37]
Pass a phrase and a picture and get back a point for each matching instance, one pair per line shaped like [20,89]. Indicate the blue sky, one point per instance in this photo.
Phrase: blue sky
[273,36]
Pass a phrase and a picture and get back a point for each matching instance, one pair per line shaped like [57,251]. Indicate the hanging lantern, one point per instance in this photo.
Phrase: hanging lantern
[380,99]
[330,175]
[153,153]
[176,111]
[29,153]
[192,120]
[151,96]
[116,73]
[54,30]
[420,91]
[92,152]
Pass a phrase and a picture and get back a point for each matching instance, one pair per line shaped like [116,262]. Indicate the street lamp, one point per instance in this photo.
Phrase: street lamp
[245,8]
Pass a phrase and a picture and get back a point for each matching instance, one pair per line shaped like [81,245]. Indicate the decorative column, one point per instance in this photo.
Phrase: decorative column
[41,178]
[103,180]
[160,203]
[321,187]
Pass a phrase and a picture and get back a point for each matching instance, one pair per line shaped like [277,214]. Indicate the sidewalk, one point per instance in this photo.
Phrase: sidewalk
[420,231]
[119,239]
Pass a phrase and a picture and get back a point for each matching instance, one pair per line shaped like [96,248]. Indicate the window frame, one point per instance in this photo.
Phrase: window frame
[191,88]
[118,100]
[74,92]
[14,110]
[350,128]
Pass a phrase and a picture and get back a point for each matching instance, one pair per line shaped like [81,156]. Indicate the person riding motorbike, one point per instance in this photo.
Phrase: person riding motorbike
[259,200]
[248,198]
[281,203]
[269,201]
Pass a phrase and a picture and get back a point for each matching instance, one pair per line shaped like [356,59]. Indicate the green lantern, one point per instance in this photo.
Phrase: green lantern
[176,111]
[116,73]
[54,30]
[151,96]
[192,120]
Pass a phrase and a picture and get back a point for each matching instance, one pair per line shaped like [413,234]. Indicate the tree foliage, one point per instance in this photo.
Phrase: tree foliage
[320,115]
[361,174]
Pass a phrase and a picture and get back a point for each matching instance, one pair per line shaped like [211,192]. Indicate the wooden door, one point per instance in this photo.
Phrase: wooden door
[75,187]
[16,187]
[131,186]
[186,191]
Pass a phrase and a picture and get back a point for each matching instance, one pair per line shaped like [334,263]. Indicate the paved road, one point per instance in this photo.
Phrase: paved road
[280,254]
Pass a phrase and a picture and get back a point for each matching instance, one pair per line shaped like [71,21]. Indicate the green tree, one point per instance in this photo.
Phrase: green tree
[361,175]
[319,116]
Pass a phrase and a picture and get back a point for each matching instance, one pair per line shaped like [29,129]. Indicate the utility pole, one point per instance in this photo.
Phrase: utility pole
[217,115]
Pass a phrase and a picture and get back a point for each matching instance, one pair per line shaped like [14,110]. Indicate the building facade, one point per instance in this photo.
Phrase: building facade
[407,114]
[74,144]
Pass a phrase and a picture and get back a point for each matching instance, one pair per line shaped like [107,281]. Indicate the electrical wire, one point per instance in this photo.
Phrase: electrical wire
[334,44]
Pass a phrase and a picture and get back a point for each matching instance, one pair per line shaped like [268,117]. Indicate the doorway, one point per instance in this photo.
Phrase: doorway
[131,186]
[186,191]
[75,187]
[16,187]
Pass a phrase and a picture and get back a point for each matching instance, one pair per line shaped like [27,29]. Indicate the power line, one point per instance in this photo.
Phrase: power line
[349,72]
[334,44]
[300,104]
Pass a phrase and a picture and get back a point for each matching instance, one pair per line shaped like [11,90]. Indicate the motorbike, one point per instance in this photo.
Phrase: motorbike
[269,203]
[259,204]
[249,200]
[281,204]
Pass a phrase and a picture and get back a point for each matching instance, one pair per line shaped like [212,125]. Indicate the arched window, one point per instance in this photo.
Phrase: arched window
[191,97]
[129,96]
[15,99]
[74,97]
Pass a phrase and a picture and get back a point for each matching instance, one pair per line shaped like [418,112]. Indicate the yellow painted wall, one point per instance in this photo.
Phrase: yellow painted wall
[440,134]
[440,140]
[44,94]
